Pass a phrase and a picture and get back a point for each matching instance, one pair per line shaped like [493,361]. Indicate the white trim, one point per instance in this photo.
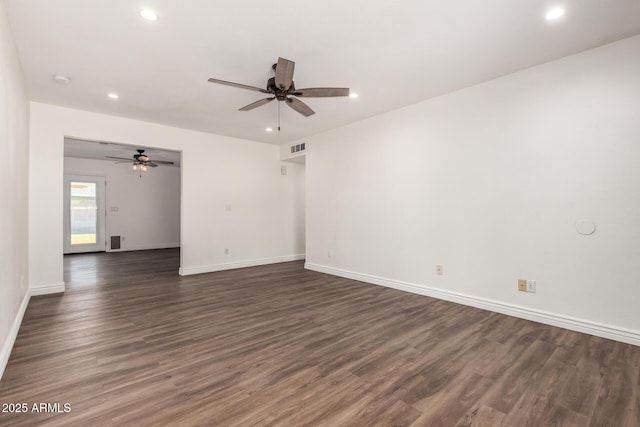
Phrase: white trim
[294,158]
[616,333]
[128,248]
[5,353]
[47,289]
[186,271]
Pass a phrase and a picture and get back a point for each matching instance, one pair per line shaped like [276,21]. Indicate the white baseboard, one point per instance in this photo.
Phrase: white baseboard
[580,325]
[5,352]
[47,289]
[186,271]
[126,248]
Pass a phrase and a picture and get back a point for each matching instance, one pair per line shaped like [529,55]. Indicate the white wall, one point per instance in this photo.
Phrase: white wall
[14,154]
[148,207]
[489,182]
[216,171]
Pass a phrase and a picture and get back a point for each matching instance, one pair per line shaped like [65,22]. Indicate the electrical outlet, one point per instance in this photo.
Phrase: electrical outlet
[531,285]
[439,270]
[226,251]
[522,285]
[329,254]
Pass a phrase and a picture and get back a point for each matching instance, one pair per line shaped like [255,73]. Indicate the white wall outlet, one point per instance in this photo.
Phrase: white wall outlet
[283,170]
[531,285]
[226,251]
[329,254]
[227,207]
[439,271]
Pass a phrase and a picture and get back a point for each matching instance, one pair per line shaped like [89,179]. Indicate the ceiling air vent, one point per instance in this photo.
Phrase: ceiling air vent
[297,148]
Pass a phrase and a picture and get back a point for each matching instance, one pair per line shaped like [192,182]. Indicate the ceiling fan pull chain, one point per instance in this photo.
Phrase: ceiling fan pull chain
[278,117]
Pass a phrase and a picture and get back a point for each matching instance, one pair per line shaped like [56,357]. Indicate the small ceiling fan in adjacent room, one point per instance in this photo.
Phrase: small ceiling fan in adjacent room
[282,88]
[141,162]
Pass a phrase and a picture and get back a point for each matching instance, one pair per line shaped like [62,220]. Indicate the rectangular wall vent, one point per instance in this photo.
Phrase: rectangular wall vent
[298,147]
[115,242]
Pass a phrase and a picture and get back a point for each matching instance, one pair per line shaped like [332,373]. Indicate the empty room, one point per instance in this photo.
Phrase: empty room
[337,213]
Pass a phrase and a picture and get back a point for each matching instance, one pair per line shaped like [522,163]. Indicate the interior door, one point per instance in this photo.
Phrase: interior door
[84,214]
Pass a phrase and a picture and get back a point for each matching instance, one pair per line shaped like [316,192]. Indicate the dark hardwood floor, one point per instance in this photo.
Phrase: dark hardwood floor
[132,343]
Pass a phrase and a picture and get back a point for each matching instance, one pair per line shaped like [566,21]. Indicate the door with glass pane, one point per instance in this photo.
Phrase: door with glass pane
[84,214]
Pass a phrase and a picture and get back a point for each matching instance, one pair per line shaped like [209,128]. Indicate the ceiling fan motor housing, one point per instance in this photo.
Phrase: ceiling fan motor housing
[278,92]
[140,157]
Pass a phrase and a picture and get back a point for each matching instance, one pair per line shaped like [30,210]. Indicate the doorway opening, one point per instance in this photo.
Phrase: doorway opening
[84,214]
[120,197]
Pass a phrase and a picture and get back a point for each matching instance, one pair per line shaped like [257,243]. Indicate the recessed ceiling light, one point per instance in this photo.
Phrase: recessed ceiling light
[554,14]
[149,15]
[353,95]
[113,95]
[58,78]
[269,129]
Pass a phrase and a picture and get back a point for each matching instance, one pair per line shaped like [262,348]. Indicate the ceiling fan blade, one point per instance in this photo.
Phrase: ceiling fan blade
[284,73]
[119,158]
[162,162]
[257,104]
[240,85]
[300,107]
[153,165]
[319,92]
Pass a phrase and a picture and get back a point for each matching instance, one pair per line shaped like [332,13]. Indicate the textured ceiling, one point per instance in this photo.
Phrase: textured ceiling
[392,53]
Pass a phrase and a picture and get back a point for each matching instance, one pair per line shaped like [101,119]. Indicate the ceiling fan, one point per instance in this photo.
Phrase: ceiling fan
[141,161]
[282,88]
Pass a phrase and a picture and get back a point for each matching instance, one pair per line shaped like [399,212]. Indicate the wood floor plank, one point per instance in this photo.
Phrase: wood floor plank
[535,410]
[133,343]
[581,391]
[481,416]
[618,398]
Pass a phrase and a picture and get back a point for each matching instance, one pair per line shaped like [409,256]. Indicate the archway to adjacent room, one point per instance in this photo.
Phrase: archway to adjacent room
[121,204]
[296,166]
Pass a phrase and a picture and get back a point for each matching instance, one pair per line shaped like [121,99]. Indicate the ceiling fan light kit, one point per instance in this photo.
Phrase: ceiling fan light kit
[282,87]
